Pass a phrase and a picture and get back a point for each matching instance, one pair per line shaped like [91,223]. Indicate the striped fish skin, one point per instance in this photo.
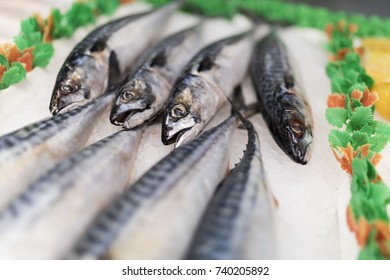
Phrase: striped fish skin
[283,106]
[156,216]
[101,58]
[29,152]
[202,88]
[146,90]
[45,220]
[238,223]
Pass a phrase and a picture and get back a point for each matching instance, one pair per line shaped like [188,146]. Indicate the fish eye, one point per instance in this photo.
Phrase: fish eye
[297,129]
[127,96]
[69,86]
[178,111]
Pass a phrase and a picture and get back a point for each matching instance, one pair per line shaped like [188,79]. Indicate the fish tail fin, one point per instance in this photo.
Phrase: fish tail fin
[238,104]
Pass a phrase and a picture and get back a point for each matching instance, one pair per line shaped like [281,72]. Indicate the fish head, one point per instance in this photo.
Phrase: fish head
[181,117]
[133,97]
[295,131]
[77,83]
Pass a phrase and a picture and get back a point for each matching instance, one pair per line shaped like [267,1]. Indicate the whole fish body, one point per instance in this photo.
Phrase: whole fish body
[146,90]
[238,223]
[103,57]
[156,217]
[203,86]
[283,106]
[29,152]
[47,218]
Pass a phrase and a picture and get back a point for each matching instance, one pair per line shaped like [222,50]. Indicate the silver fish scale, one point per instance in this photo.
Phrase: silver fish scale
[34,191]
[161,176]
[214,238]
[269,65]
[38,132]
[166,46]
[211,52]
[102,33]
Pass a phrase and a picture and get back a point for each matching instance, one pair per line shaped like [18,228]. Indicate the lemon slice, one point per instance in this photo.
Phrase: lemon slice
[377,65]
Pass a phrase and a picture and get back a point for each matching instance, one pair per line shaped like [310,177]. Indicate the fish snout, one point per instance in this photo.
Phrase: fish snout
[308,153]
[121,112]
[302,153]
[168,135]
[54,103]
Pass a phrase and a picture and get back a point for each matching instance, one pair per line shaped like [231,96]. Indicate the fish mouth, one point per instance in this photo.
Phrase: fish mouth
[121,118]
[69,107]
[168,138]
[308,153]
[304,156]
[120,115]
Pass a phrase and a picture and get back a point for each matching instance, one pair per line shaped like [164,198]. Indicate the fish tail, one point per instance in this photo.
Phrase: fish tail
[238,104]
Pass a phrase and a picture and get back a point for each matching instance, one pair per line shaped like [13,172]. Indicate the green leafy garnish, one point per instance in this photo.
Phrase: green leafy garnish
[42,54]
[339,138]
[80,14]
[360,117]
[4,61]
[107,7]
[336,116]
[29,35]
[14,74]
[61,28]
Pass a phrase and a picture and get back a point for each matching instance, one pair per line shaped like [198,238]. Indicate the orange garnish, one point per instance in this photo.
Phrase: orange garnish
[40,21]
[329,30]
[382,236]
[340,55]
[13,53]
[126,1]
[350,219]
[27,60]
[357,94]
[341,25]
[362,231]
[369,98]
[48,29]
[336,100]
[346,159]
[376,159]
[2,70]
[353,28]
[360,50]
[10,52]
[348,154]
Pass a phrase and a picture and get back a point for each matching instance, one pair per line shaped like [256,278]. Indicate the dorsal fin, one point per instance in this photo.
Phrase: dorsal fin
[98,46]
[289,79]
[159,60]
[206,64]
[115,72]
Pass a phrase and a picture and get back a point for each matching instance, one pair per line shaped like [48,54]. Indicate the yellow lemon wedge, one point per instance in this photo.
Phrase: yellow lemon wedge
[383,104]
[377,65]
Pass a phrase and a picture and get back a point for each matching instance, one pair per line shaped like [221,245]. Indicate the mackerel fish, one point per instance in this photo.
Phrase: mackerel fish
[283,106]
[46,219]
[238,223]
[102,58]
[29,152]
[202,89]
[156,216]
[145,91]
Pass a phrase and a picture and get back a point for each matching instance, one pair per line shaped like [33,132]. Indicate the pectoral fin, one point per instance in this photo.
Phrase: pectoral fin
[115,72]
[289,79]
